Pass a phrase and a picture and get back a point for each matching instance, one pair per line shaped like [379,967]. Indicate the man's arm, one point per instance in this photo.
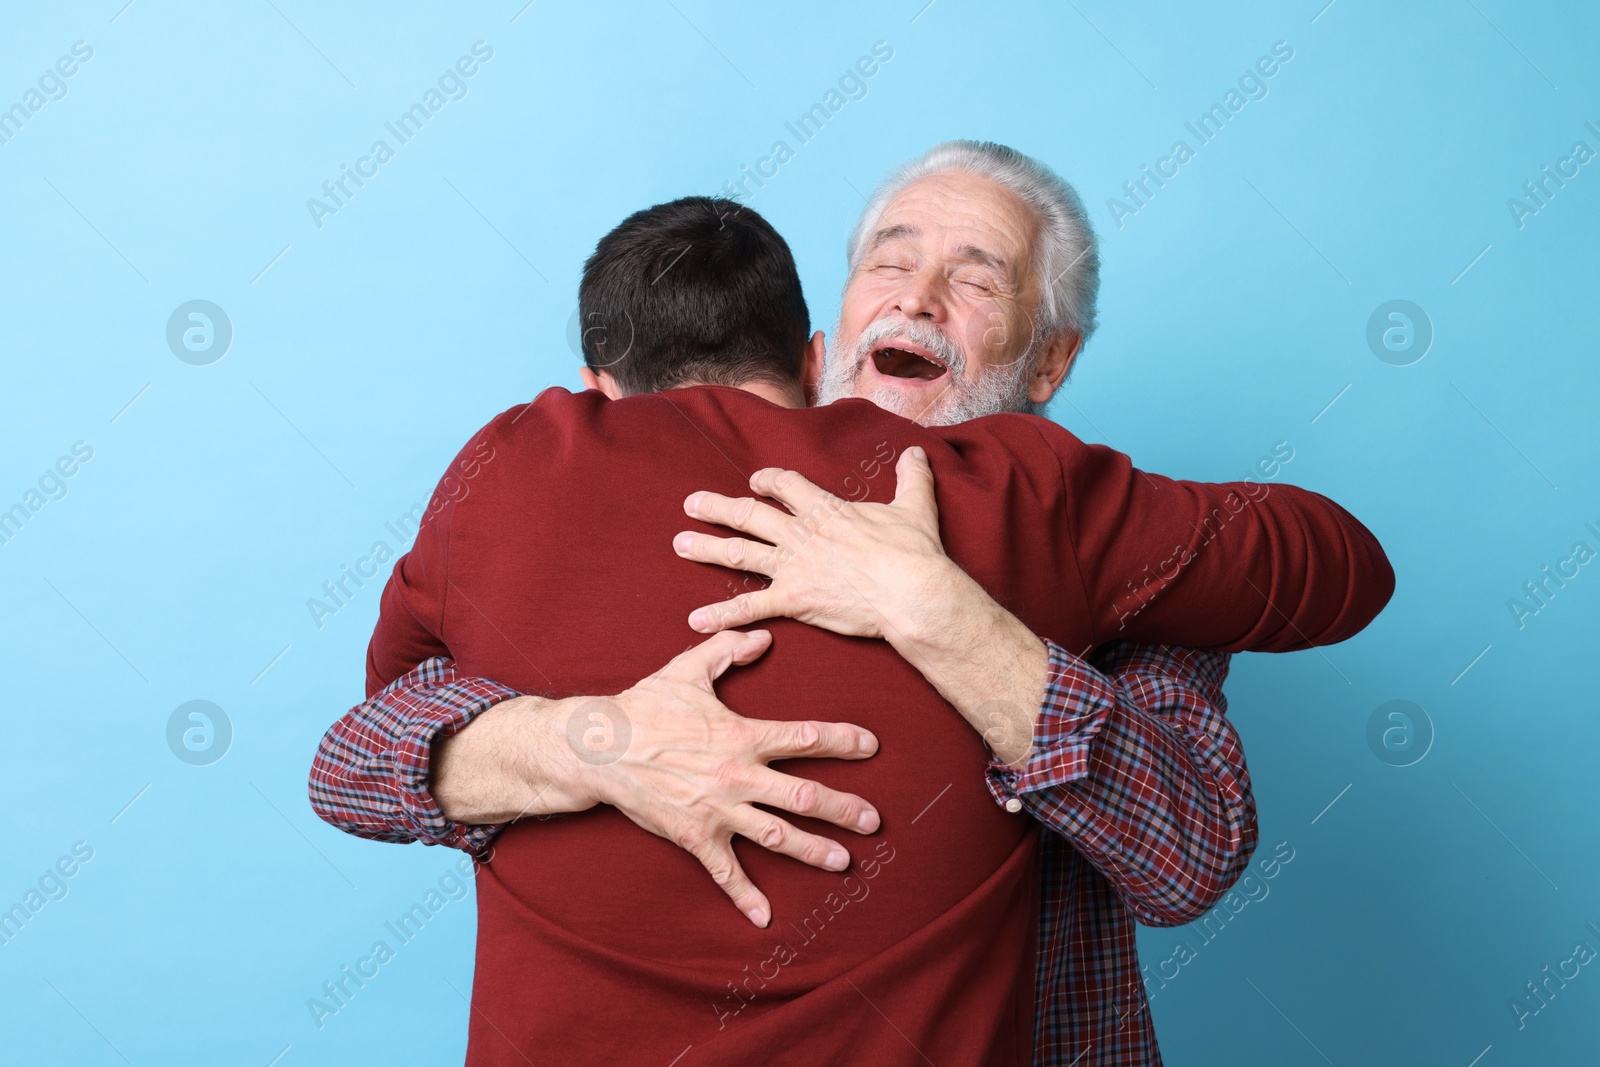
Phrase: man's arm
[1238,567]
[1136,764]
[1250,566]
[880,570]
[442,759]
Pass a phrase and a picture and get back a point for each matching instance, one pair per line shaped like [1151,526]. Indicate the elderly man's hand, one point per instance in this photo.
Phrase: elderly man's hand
[670,756]
[857,569]
[878,570]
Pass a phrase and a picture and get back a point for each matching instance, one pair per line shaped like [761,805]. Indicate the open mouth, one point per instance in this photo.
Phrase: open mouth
[901,360]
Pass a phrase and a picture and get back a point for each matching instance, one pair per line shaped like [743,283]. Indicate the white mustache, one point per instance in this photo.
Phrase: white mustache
[994,390]
[925,334]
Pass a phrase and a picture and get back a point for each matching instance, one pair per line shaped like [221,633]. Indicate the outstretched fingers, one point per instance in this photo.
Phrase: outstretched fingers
[735,553]
[801,796]
[740,611]
[809,739]
[744,513]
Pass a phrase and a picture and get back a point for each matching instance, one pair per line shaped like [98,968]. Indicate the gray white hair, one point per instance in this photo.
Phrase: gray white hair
[1068,258]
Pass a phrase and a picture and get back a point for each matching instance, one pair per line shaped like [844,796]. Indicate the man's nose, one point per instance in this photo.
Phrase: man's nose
[924,297]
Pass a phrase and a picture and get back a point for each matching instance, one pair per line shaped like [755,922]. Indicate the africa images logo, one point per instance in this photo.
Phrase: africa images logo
[199,332]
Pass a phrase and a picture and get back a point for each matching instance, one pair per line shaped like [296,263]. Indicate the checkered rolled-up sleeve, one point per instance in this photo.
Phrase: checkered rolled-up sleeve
[1136,765]
[370,775]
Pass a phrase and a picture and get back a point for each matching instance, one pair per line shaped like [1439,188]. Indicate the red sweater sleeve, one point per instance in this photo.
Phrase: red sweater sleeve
[411,614]
[1234,566]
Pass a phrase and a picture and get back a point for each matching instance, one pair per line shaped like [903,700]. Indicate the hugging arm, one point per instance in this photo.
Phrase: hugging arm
[1233,566]
[1248,566]
[442,759]
[1136,765]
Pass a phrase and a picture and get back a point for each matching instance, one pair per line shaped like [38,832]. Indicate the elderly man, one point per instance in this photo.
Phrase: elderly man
[971,291]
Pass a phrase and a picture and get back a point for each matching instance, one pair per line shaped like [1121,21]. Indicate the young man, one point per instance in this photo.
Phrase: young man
[552,573]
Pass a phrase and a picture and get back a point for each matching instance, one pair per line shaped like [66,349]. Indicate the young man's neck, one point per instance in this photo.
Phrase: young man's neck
[789,393]
[785,396]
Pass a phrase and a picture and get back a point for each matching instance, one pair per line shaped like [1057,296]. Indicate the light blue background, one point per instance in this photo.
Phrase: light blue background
[1235,305]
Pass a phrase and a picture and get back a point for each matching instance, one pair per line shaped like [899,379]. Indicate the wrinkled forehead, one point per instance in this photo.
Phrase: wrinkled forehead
[958,216]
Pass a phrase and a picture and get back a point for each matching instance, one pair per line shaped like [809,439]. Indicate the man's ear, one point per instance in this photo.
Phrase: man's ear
[603,381]
[816,351]
[1054,363]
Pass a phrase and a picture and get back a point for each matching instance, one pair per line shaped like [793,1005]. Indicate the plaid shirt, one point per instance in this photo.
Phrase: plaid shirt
[1135,769]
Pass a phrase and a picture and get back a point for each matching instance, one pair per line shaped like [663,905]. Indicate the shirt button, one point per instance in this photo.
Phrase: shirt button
[1013,805]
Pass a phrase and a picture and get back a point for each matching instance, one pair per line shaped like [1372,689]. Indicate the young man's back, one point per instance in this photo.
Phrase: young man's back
[554,573]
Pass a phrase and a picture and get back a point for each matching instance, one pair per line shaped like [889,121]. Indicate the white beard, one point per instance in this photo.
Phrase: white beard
[996,390]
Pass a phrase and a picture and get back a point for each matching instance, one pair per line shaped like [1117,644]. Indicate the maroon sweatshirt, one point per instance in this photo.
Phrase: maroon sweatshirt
[546,563]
